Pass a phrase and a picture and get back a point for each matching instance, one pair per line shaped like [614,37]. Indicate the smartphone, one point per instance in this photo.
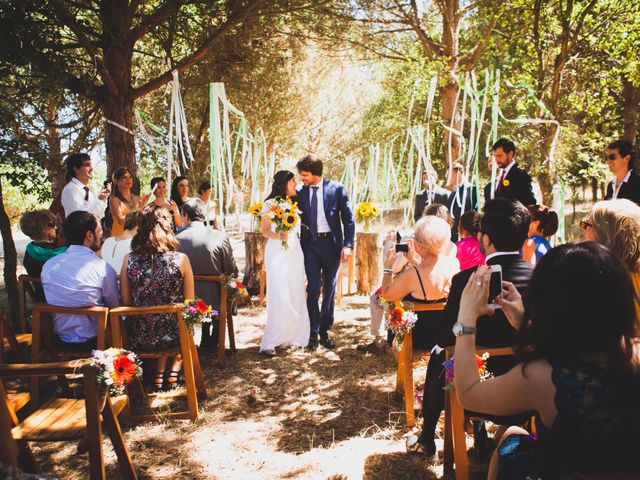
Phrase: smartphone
[495,285]
[402,247]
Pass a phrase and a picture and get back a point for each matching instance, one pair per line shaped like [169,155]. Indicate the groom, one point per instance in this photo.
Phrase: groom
[325,211]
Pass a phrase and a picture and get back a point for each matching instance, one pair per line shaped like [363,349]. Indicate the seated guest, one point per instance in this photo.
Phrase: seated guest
[544,224]
[115,248]
[204,193]
[503,229]
[469,254]
[155,273]
[578,372]
[159,189]
[616,225]
[79,278]
[428,281]
[41,227]
[209,251]
[441,211]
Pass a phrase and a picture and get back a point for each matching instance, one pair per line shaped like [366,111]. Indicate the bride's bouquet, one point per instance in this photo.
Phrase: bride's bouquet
[284,214]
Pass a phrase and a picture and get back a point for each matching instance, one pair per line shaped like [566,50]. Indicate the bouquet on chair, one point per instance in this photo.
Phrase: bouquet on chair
[284,214]
[115,369]
[400,321]
[237,291]
[197,311]
[449,370]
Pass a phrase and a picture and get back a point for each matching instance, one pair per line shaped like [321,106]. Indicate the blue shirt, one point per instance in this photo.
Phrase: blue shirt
[78,278]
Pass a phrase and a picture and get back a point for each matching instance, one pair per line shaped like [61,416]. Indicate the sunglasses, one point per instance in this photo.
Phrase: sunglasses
[611,156]
[584,225]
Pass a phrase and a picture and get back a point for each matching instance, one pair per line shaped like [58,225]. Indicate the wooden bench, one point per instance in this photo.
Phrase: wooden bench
[407,361]
[194,380]
[64,419]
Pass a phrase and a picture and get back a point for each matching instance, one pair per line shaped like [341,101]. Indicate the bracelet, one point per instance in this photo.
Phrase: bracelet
[387,270]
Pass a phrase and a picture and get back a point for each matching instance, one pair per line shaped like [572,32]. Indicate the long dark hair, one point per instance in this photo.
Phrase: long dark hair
[580,303]
[174,191]
[117,175]
[279,187]
[155,232]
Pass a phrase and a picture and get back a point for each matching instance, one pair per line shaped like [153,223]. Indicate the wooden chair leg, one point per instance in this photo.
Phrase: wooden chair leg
[34,382]
[352,261]
[400,374]
[187,365]
[232,333]
[407,365]
[112,426]
[197,370]
[263,285]
[221,340]
[448,440]
[459,438]
[94,431]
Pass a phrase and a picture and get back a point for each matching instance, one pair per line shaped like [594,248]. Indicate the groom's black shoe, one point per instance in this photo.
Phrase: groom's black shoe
[313,344]
[327,342]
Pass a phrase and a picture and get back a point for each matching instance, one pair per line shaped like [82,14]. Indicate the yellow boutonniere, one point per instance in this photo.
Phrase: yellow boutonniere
[505,183]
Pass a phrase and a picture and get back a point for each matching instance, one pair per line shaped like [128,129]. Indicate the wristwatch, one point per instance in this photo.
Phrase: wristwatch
[460,329]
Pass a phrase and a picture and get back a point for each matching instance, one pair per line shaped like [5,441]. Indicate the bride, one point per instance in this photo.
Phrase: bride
[287,315]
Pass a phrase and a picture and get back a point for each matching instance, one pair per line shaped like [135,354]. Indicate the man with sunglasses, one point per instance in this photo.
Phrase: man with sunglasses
[620,157]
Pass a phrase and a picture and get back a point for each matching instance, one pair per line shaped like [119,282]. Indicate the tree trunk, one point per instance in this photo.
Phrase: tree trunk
[119,144]
[631,103]
[594,189]
[367,255]
[254,261]
[10,261]
[449,92]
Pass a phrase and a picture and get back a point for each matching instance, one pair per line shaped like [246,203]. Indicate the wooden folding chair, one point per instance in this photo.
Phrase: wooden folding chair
[26,288]
[263,286]
[12,342]
[407,361]
[44,347]
[61,419]
[194,380]
[225,317]
[454,431]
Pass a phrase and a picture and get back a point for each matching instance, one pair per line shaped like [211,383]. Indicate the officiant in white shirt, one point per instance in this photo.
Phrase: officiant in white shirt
[76,195]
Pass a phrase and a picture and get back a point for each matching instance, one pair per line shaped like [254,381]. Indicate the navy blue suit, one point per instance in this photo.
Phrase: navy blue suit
[322,256]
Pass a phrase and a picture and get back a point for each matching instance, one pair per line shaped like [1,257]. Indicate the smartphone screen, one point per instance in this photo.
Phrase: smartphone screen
[402,247]
[495,285]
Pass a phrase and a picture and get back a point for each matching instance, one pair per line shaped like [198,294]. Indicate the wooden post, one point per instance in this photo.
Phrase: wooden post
[352,264]
[368,256]
[254,261]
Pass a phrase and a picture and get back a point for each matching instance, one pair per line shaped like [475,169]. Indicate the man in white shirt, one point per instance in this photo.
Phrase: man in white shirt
[78,278]
[76,195]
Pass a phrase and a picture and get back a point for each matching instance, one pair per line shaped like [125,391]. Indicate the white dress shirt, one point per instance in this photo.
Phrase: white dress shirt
[78,278]
[73,200]
[616,186]
[323,225]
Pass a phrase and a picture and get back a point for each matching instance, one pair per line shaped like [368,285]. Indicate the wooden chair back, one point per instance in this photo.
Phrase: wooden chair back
[455,446]
[406,360]
[44,347]
[16,343]
[26,288]
[225,317]
[194,380]
[64,419]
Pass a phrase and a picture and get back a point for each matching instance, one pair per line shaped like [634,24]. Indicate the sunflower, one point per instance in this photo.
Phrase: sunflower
[290,220]
[375,211]
[280,213]
[365,209]
[255,209]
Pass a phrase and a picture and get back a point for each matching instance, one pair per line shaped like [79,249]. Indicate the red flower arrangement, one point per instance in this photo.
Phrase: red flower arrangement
[115,369]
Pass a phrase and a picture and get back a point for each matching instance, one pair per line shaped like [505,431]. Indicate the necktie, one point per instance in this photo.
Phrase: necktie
[86,194]
[501,180]
[313,217]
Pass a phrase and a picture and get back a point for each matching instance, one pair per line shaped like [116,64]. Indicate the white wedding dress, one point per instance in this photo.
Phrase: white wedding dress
[287,318]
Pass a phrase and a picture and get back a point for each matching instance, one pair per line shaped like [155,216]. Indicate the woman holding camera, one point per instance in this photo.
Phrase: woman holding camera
[427,280]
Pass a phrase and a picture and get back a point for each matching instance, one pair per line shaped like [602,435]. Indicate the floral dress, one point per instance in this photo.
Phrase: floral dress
[154,279]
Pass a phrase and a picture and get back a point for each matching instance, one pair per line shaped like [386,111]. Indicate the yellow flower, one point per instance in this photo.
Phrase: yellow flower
[255,209]
[290,220]
[365,209]
[505,183]
[280,213]
[375,211]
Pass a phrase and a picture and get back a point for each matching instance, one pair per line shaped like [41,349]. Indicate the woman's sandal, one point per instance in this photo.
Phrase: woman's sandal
[158,383]
[173,379]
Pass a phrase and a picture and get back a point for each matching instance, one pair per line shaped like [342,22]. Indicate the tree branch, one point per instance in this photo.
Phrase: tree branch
[429,45]
[469,60]
[160,15]
[205,48]
[69,20]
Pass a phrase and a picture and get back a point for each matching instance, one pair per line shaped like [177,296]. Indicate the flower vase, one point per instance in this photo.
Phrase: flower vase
[367,225]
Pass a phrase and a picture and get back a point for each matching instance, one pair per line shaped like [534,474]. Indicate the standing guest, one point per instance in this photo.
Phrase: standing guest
[431,193]
[76,195]
[114,249]
[210,253]
[463,197]
[79,278]
[621,156]
[616,225]
[469,254]
[180,192]
[503,230]
[514,182]
[160,190]
[155,273]
[490,188]
[204,192]
[544,224]
[122,200]
[578,367]
[41,227]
